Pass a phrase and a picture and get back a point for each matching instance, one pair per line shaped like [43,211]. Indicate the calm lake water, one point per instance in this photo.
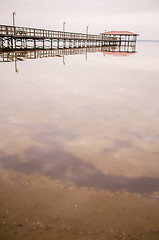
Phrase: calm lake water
[86,127]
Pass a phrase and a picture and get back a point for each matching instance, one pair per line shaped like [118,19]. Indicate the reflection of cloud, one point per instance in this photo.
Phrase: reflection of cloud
[147,137]
[117,145]
[51,135]
[62,165]
[108,150]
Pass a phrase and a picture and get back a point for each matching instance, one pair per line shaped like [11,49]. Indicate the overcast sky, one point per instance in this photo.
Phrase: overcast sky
[139,16]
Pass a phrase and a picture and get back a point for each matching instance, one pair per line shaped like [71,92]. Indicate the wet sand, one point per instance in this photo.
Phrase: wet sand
[36,207]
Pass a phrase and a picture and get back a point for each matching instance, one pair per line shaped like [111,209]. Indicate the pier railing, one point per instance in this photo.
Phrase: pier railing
[23,32]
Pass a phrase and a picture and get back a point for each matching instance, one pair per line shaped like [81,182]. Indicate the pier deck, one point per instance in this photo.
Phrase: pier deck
[24,38]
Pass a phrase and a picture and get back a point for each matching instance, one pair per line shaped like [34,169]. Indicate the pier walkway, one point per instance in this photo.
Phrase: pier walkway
[30,38]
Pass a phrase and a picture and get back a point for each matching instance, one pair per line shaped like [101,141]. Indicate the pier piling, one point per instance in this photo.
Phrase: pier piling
[13,37]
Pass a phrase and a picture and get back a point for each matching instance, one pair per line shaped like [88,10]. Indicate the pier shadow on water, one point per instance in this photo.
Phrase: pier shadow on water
[61,165]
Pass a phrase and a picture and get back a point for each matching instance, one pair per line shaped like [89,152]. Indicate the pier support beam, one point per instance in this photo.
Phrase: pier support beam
[34,43]
[1,42]
[43,43]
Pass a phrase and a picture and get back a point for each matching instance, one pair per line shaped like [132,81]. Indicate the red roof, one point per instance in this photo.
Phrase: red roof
[119,33]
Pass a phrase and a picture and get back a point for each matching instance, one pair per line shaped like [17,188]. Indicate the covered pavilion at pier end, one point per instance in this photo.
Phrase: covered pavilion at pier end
[121,36]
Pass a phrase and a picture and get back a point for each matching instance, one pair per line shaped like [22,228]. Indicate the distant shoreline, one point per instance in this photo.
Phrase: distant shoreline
[147,40]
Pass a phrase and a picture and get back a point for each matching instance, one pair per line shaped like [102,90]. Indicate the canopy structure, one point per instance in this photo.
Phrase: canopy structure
[125,36]
[120,33]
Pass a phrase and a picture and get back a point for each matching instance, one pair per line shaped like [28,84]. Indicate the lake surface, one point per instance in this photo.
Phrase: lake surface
[79,146]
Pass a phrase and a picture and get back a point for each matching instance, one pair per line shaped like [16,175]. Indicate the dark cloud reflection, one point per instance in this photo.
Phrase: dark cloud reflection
[62,165]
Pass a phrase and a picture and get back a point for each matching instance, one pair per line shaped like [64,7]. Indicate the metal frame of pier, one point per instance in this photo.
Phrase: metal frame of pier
[13,37]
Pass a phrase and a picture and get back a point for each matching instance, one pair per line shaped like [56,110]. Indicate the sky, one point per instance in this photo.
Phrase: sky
[138,16]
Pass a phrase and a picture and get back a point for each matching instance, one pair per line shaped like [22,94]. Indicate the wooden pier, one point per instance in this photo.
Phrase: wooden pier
[30,38]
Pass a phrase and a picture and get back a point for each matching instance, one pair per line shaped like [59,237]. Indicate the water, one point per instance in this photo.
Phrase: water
[84,131]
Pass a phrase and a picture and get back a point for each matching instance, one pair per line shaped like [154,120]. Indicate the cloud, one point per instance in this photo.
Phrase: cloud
[138,19]
[97,14]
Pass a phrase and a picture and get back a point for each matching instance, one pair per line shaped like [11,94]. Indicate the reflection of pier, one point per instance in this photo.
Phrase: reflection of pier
[120,50]
[8,55]
[21,55]
[22,38]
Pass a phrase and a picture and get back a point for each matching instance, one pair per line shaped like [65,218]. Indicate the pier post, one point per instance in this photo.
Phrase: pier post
[1,42]
[64,43]
[12,43]
[34,43]
[15,41]
[70,44]
[22,43]
[26,44]
[8,42]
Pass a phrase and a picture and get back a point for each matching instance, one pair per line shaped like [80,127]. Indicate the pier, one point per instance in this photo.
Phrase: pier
[14,37]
